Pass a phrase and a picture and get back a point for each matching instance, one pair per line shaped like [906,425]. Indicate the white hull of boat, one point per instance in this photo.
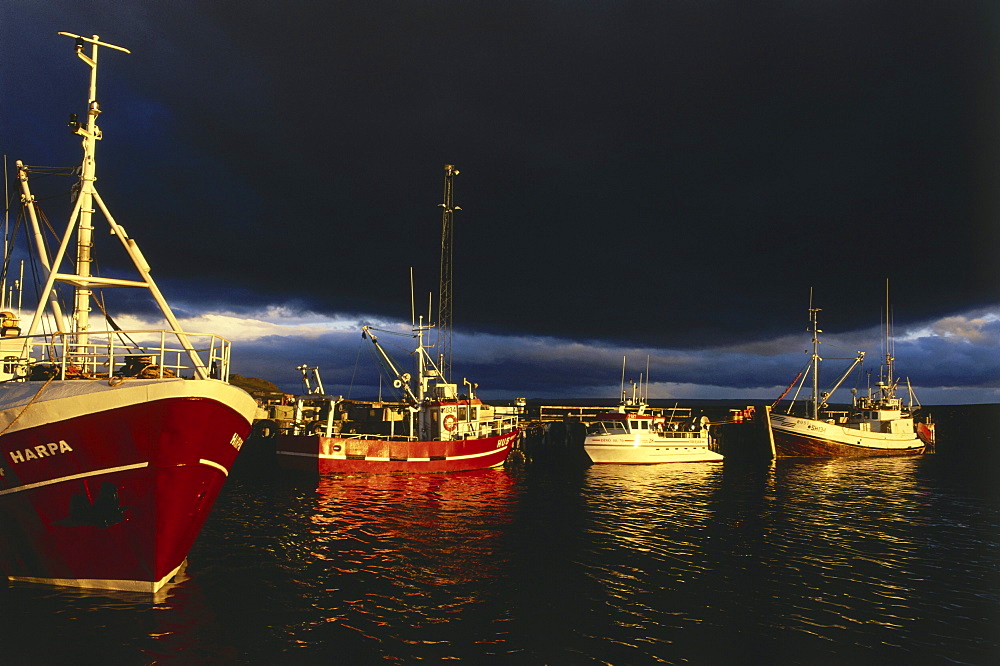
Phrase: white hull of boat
[797,436]
[625,450]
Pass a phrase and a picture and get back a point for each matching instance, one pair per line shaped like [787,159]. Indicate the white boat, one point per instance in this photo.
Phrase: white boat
[113,444]
[878,424]
[635,435]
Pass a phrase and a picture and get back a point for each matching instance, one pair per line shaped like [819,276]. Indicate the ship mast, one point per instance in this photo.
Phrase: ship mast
[887,385]
[814,321]
[84,210]
[80,221]
[31,204]
[447,274]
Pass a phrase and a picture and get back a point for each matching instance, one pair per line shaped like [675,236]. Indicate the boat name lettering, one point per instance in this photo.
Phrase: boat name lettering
[40,451]
[813,426]
[504,441]
[236,441]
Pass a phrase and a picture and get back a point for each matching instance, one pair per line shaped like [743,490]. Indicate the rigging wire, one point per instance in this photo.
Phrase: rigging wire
[384,370]
[357,362]
[38,173]
[9,254]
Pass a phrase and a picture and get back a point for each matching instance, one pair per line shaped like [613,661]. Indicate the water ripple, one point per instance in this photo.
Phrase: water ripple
[808,562]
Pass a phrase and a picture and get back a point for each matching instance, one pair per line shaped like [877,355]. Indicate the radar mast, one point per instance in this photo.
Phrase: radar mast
[447,274]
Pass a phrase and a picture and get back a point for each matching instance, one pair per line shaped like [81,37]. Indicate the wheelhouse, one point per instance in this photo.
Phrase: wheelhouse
[622,424]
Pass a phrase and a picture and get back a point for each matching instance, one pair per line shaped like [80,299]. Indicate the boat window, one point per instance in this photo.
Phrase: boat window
[607,428]
[461,413]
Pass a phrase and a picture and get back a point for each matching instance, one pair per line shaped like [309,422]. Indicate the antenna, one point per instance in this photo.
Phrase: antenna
[6,221]
[6,206]
[623,379]
[646,396]
[814,321]
[447,272]
[889,380]
[413,306]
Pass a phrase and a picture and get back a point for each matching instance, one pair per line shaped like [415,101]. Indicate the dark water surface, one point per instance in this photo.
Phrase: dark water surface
[811,562]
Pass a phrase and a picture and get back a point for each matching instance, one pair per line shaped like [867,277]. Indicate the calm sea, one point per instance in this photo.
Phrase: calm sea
[890,561]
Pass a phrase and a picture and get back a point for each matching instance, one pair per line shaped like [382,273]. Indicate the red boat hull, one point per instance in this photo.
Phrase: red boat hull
[115,498]
[315,454]
[926,433]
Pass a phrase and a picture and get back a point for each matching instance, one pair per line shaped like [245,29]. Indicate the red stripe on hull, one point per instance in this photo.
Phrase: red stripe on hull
[315,454]
[788,444]
[76,516]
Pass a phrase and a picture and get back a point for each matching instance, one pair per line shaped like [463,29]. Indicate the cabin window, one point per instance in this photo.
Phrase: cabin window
[9,366]
[461,413]
[606,428]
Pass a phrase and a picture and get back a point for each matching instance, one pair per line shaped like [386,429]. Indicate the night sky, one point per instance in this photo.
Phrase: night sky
[651,179]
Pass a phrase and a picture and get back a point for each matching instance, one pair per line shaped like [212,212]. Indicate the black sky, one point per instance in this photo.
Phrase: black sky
[675,173]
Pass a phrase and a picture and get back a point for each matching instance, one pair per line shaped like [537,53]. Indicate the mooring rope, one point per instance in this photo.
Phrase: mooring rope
[30,402]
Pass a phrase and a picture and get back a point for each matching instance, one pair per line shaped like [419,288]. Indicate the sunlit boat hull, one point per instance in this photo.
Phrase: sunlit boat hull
[801,437]
[108,486]
[315,454]
[605,449]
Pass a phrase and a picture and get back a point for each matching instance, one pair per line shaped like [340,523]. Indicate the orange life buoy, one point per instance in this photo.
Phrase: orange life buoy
[449,422]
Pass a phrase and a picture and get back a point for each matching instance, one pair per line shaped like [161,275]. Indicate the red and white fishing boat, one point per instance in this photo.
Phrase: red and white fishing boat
[878,424]
[113,444]
[442,430]
[434,429]
[633,435]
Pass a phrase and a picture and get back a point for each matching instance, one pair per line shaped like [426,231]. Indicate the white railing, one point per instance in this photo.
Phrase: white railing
[143,354]
[498,425]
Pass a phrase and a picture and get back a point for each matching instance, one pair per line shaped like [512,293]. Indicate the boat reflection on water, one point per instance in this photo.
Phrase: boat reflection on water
[651,516]
[395,539]
[823,560]
[411,503]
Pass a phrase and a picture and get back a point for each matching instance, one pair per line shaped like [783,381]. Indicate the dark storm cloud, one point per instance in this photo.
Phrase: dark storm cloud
[947,360]
[648,173]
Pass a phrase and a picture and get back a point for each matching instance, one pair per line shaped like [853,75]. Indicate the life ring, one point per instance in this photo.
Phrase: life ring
[265,428]
[449,422]
[316,428]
